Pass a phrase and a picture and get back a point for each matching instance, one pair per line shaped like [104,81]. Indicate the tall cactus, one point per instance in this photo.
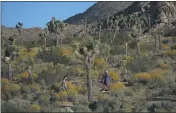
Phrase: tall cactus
[19,28]
[88,58]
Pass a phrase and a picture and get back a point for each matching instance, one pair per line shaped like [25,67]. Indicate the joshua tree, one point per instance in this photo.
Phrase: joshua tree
[19,28]
[43,35]
[12,39]
[85,27]
[88,56]
[8,61]
[56,29]
[99,31]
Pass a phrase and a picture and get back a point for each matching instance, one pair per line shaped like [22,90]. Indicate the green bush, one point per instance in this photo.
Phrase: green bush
[81,108]
[81,99]
[142,64]
[16,105]
[25,89]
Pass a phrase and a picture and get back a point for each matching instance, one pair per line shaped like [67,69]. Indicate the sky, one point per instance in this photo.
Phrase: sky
[37,14]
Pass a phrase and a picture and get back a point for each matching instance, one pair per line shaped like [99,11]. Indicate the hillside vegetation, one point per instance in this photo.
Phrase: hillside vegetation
[140,59]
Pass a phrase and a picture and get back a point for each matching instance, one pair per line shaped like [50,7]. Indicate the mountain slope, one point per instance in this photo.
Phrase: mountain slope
[99,11]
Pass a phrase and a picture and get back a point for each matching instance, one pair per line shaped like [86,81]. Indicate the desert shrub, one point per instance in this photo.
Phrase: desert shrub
[81,99]
[173,47]
[100,62]
[108,105]
[66,51]
[114,76]
[18,105]
[117,86]
[14,89]
[81,89]
[25,89]
[155,76]
[81,108]
[163,66]
[141,77]
[142,64]
[95,74]
[55,55]
[62,96]
[25,76]
[45,98]
[34,87]
[128,58]
[77,70]
[170,53]
[49,76]
[4,81]
[34,108]
[165,46]
[170,32]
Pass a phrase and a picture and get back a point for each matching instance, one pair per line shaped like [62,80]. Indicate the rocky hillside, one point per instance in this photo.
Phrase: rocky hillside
[99,11]
[160,12]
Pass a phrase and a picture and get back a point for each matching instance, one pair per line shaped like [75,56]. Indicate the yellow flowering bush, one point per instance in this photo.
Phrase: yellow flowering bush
[128,58]
[117,86]
[66,51]
[95,74]
[24,52]
[153,75]
[11,88]
[35,87]
[25,75]
[165,46]
[99,62]
[77,70]
[34,108]
[114,76]
[170,52]
[142,76]
[157,74]
[163,66]
[63,95]
[4,81]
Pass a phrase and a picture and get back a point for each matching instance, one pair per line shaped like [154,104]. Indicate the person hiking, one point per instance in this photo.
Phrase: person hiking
[64,83]
[106,81]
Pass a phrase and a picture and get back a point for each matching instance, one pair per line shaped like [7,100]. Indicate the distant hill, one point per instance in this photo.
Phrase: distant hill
[99,11]
[160,11]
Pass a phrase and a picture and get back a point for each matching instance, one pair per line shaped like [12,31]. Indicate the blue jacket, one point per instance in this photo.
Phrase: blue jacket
[107,78]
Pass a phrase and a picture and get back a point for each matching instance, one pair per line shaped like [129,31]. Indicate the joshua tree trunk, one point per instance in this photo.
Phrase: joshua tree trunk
[45,43]
[13,43]
[89,83]
[108,54]
[85,29]
[155,43]
[57,40]
[99,34]
[138,48]
[160,42]
[126,48]
[10,72]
